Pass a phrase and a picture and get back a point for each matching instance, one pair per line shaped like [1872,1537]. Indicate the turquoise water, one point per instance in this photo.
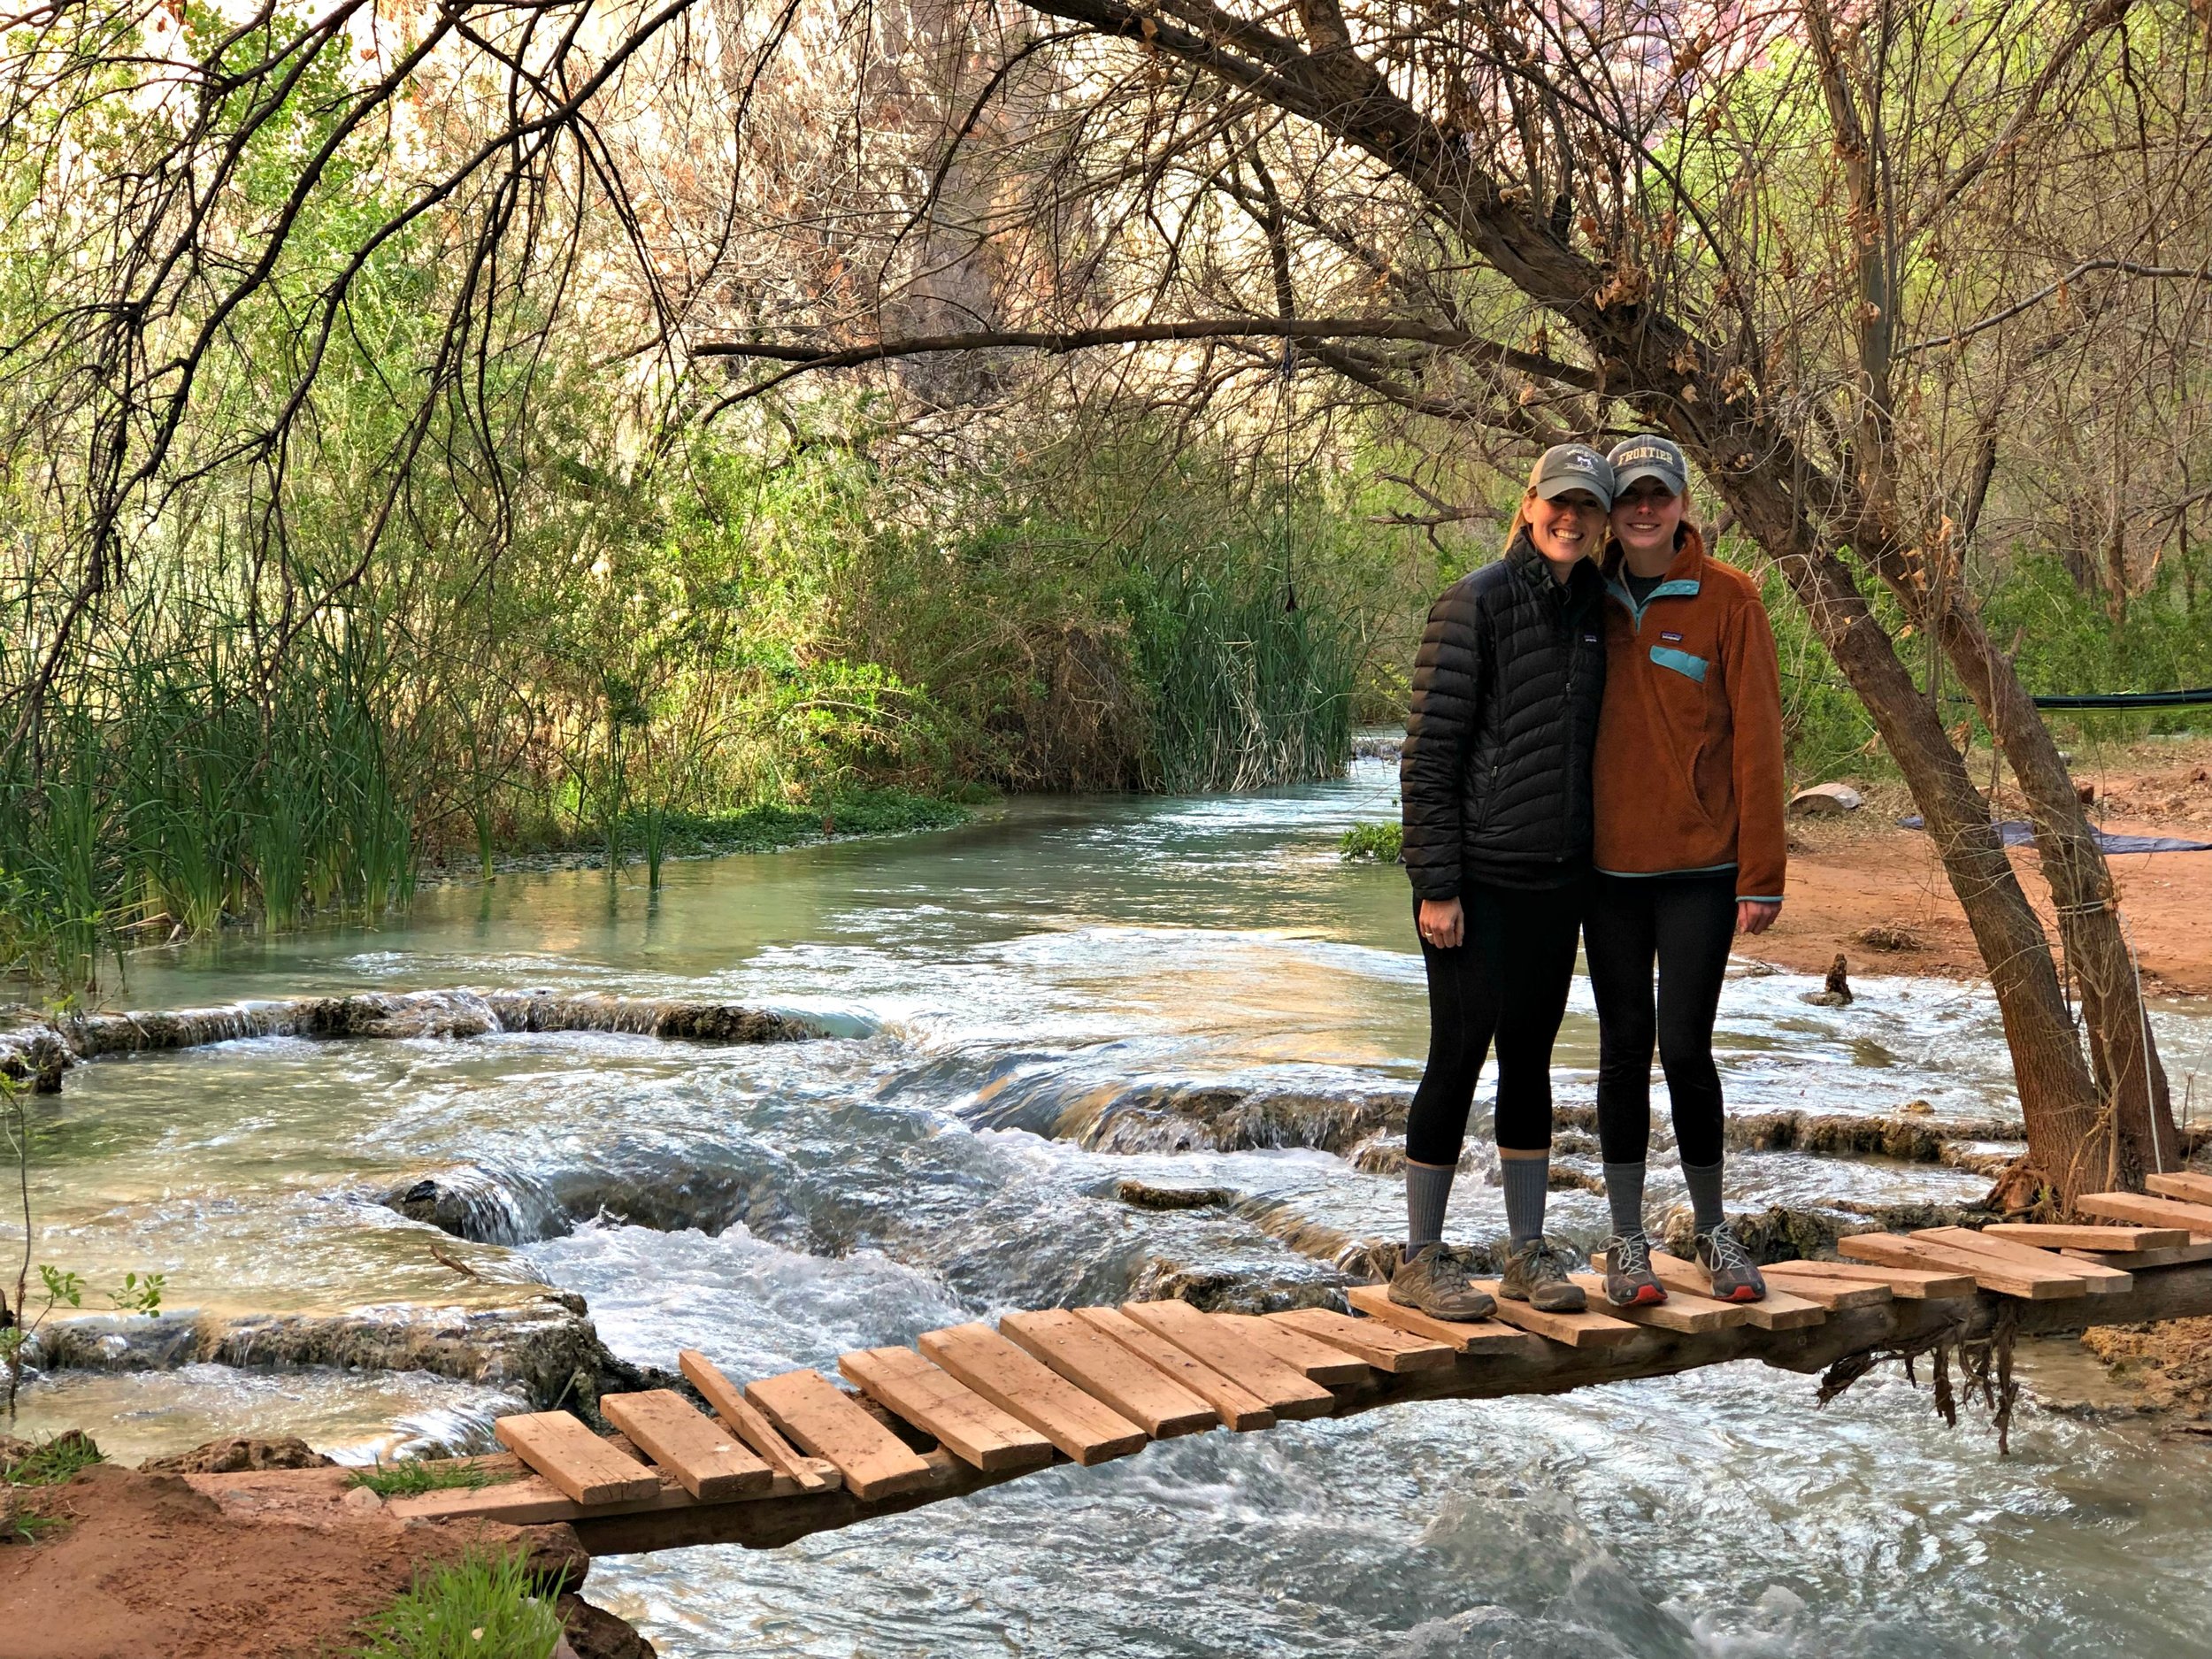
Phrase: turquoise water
[777,1205]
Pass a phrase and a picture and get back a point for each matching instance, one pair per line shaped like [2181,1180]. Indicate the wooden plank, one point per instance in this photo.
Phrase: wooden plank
[1310,1357]
[575,1459]
[1776,1310]
[1575,1329]
[1104,1370]
[750,1426]
[1237,1407]
[965,1423]
[1920,1284]
[2182,1184]
[2050,1236]
[2029,1283]
[707,1459]
[1469,1336]
[1681,1311]
[2152,1212]
[2097,1279]
[1086,1430]
[2138,1260]
[532,1500]
[1384,1347]
[1253,1369]
[1835,1294]
[817,1415]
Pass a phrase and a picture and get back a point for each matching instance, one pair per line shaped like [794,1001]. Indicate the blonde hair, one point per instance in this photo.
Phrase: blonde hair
[1520,520]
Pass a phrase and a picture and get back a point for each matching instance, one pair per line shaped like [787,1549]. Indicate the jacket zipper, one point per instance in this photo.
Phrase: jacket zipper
[1574,662]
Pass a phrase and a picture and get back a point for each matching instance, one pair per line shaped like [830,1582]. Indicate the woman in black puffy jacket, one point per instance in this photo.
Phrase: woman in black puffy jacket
[1496,782]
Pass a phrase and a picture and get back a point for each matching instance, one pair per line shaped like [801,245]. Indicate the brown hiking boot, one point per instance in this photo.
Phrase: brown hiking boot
[1428,1281]
[1629,1280]
[1736,1277]
[1535,1275]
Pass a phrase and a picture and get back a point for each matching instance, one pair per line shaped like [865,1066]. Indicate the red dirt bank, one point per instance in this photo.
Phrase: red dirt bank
[1863,872]
[158,1564]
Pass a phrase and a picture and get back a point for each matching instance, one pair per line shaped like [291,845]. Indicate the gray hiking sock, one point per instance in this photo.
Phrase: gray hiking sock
[1625,1192]
[1526,1181]
[1704,1183]
[1428,1190]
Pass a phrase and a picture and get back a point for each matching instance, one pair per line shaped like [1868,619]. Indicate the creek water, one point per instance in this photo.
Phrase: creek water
[1014,1000]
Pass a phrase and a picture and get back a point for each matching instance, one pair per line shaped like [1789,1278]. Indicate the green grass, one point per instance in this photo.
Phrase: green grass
[49,1462]
[480,1607]
[1372,843]
[415,1477]
[1244,692]
[32,1529]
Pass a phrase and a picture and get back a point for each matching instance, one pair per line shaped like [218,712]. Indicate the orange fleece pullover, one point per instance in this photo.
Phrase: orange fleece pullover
[1689,772]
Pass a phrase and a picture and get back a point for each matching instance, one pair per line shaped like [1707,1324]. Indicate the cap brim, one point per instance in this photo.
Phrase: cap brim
[1649,469]
[1560,487]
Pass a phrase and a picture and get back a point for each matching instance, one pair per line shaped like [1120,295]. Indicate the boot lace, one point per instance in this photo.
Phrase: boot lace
[1629,1253]
[1729,1251]
[1545,1266]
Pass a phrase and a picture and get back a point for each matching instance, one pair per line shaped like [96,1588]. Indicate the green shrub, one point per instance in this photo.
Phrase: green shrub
[2067,641]
[1372,843]
[480,1607]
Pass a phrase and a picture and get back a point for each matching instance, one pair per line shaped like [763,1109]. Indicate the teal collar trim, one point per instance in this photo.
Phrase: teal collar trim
[1673,588]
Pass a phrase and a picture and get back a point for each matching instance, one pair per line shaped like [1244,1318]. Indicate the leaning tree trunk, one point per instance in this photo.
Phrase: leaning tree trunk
[1792,506]
[2137,1131]
[2131,1082]
[2066,1127]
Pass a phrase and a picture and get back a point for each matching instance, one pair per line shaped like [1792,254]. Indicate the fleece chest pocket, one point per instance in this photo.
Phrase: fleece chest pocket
[1687,664]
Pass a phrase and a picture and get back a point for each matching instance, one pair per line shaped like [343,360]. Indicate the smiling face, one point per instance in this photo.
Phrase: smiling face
[1645,518]
[1567,527]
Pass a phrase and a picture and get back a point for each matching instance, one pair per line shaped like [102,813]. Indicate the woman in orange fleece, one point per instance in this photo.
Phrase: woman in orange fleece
[1686,787]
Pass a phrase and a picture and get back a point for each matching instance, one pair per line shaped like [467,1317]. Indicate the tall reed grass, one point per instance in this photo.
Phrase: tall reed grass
[1246,689]
[173,793]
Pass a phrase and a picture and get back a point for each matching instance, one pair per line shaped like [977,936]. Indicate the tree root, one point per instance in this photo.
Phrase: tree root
[1984,1367]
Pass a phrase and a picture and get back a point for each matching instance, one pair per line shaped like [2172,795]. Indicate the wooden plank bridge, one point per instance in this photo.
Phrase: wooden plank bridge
[968,1407]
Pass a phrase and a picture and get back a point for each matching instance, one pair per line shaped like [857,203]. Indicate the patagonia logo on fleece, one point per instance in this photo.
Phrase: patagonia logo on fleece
[1589,638]
[1671,639]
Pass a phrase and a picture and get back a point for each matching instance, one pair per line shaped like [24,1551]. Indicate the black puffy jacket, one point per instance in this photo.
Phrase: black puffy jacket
[1495,772]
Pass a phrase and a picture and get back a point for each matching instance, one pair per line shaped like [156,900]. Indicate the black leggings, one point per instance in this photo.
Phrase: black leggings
[1507,979]
[1685,923]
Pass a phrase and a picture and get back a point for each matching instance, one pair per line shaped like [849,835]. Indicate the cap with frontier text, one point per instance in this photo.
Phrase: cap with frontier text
[1566,466]
[1648,457]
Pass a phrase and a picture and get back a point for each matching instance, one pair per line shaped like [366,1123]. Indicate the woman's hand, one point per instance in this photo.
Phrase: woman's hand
[1755,916]
[1443,923]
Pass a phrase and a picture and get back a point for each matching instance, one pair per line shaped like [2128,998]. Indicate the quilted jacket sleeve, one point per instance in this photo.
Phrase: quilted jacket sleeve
[1449,678]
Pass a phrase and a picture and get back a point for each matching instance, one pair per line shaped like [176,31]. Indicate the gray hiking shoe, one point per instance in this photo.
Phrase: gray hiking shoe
[1736,1277]
[1429,1281]
[1629,1280]
[1535,1275]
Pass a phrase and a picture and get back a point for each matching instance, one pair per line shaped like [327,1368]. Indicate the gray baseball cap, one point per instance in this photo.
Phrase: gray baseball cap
[1566,466]
[1649,457]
